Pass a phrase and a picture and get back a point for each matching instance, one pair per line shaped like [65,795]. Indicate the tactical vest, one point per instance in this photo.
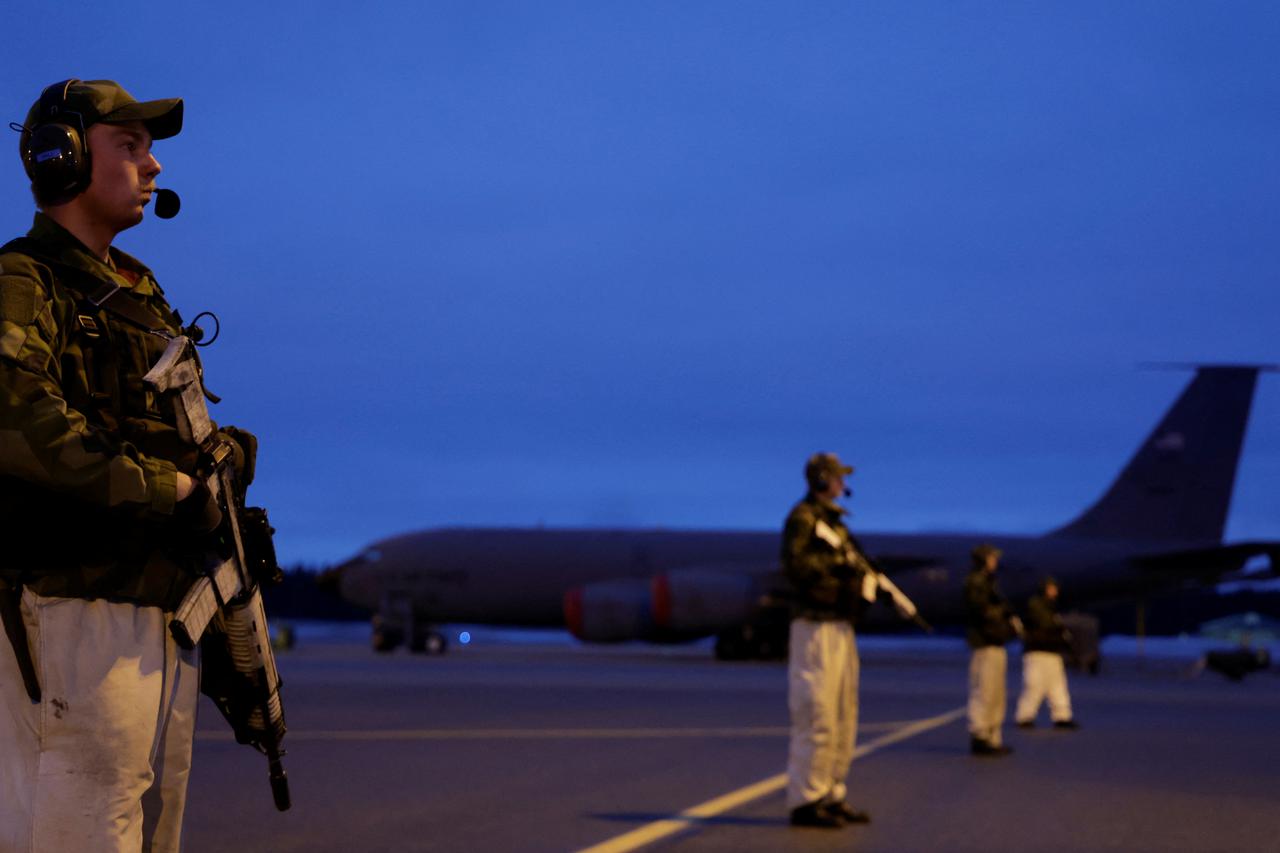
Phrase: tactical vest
[65,547]
[825,595]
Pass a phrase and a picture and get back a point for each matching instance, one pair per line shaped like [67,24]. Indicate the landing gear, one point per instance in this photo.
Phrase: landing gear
[429,642]
[421,641]
[385,638]
[395,624]
[753,641]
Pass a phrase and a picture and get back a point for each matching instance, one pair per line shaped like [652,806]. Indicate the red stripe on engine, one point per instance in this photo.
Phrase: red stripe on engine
[573,611]
[660,600]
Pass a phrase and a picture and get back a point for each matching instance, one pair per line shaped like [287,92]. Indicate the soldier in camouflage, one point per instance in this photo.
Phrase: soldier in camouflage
[106,522]
[826,571]
[1045,640]
[991,624]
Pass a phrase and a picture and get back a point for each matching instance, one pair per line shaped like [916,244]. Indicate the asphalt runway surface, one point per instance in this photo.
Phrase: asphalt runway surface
[539,746]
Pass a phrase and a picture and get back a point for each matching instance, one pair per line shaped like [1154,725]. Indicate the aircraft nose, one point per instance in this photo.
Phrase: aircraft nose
[351,581]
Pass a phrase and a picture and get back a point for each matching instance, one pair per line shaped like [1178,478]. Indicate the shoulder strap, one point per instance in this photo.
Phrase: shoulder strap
[101,294]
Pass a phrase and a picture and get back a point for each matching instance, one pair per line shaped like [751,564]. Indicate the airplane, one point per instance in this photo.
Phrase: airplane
[1159,525]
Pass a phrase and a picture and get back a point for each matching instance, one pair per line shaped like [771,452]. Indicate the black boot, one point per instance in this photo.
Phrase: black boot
[815,814]
[848,813]
[978,746]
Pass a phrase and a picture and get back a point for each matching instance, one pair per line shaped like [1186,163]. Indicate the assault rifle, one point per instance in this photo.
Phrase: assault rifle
[874,580]
[223,610]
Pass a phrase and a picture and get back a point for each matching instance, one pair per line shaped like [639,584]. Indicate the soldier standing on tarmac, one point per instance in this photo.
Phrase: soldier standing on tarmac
[1043,674]
[825,571]
[106,520]
[991,624]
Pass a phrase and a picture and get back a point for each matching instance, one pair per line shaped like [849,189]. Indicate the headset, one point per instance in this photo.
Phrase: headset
[820,482]
[55,152]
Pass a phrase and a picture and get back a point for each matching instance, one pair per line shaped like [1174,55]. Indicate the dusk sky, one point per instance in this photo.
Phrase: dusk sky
[619,263]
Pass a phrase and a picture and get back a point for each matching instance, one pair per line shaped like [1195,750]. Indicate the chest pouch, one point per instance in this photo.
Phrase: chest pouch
[100,363]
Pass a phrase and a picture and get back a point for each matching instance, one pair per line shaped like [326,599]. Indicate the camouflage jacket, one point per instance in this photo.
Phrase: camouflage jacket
[989,616]
[88,461]
[820,562]
[1044,630]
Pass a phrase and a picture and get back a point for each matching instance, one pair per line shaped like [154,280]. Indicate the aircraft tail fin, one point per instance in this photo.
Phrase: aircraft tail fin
[1178,484]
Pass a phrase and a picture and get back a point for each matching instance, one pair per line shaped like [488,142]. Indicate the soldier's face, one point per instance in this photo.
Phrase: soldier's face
[1051,591]
[835,487]
[124,174]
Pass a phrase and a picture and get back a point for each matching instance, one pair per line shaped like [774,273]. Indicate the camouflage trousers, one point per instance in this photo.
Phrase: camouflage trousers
[987,668]
[822,693]
[101,762]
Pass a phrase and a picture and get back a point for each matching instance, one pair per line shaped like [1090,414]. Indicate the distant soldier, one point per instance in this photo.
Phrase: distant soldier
[1044,642]
[991,624]
[826,573]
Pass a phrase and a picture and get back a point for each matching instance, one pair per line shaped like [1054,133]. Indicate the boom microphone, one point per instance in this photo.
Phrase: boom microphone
[167,204]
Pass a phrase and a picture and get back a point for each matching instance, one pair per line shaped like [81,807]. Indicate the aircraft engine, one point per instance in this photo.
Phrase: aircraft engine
[609,611]
[697,602]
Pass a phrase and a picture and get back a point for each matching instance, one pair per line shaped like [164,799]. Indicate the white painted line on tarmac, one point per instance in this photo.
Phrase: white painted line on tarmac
[540,734]
[652,832]
[517,734]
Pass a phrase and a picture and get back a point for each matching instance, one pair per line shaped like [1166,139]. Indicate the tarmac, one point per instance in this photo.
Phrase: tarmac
[530,742]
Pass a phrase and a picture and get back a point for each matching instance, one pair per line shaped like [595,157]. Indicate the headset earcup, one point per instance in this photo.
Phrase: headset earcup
[57,161]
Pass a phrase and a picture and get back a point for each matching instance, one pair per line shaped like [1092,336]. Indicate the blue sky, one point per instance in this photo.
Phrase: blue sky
[620,263]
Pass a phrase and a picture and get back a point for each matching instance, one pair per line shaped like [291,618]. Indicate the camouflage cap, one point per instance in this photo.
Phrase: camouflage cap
[981,552]
[106,101]
[822,465]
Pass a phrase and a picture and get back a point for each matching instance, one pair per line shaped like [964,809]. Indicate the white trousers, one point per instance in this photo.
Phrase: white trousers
[1043,674]
[987,668]
[822,693]
[101,763]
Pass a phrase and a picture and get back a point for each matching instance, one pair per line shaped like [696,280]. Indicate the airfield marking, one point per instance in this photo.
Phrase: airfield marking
[541,734]
[652,832]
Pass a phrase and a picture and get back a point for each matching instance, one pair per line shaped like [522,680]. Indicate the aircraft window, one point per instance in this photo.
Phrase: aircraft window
[371,555]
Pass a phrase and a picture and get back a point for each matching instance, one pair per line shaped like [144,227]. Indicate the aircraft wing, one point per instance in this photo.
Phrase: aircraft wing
[1212,564]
